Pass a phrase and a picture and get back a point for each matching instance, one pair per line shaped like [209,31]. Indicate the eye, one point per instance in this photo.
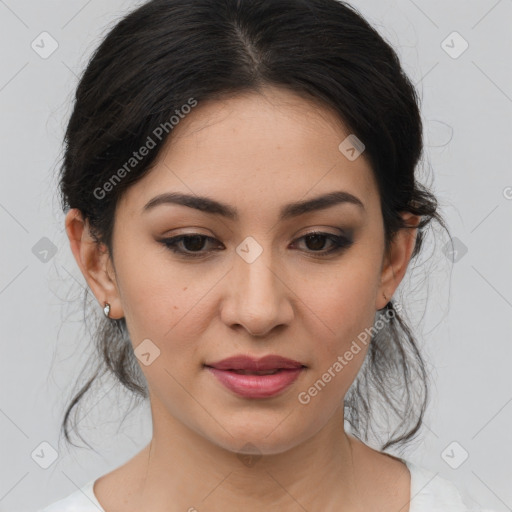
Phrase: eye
[316,242]
[192,245]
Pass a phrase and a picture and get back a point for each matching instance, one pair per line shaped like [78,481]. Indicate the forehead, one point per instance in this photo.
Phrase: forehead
[258,148]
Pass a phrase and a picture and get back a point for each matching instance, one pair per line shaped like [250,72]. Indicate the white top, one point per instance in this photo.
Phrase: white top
[429,493]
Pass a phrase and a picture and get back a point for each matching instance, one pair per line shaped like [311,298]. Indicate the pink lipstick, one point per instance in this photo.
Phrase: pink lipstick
[256,378]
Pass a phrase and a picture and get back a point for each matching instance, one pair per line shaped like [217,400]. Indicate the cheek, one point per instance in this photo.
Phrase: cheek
[343,299]
[340,307]
[162,299]
[346,311]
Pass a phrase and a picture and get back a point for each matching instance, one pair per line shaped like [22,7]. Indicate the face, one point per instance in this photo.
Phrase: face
[254,279]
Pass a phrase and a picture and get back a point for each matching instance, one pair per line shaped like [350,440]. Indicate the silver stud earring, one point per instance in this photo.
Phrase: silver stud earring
[106,309]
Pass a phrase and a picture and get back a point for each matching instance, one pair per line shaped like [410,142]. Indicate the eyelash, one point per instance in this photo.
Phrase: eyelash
[340,243]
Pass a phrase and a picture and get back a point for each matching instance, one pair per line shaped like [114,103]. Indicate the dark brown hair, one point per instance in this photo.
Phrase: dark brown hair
[166,52]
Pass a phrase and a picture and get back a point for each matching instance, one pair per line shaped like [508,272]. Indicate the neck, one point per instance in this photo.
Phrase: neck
[185,469]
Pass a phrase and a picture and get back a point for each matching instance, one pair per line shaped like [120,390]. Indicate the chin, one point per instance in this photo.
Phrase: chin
[260,436]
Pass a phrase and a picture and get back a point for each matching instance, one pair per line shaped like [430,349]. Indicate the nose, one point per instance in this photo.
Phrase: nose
[258,297]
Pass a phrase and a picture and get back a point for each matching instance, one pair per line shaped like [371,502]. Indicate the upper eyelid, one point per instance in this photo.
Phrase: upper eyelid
[343,233]
[347,231]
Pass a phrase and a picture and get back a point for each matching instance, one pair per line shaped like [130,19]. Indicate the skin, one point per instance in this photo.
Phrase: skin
[255,152]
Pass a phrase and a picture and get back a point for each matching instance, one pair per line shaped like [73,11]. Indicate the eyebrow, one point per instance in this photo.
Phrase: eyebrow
[208,205]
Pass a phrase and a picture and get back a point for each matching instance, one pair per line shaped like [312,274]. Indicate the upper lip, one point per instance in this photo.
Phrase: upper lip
[243,362]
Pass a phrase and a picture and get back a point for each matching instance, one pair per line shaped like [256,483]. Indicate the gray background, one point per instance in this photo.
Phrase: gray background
[464,332]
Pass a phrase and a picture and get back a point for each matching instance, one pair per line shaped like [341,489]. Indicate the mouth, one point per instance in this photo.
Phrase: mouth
[256,378]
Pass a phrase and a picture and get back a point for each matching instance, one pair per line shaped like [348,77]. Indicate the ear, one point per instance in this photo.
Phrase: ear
[396,260]
[94,261]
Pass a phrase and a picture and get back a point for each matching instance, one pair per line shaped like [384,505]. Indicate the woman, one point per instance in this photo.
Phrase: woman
[239,181]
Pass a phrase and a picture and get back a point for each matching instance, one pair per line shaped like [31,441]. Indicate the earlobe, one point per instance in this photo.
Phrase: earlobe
[397,259]
[94,262]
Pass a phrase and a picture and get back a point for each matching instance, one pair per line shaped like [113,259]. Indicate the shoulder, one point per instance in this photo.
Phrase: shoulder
[82,500]
[432,493]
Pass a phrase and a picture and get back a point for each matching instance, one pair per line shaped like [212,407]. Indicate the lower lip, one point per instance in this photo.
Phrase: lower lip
[256,386]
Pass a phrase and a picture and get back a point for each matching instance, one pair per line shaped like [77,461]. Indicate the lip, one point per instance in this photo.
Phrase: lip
[243,362]
[256,386]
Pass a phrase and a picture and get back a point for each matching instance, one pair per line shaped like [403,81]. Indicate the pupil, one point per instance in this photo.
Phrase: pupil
[194,243]
[316,238]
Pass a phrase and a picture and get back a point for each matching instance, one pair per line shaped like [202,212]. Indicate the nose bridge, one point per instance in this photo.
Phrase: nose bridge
[258,300]
[258,281]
